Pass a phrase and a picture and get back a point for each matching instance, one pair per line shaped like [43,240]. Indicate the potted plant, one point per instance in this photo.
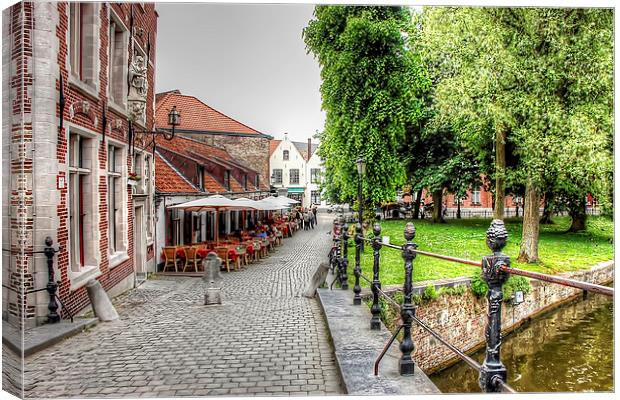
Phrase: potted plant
[133,178]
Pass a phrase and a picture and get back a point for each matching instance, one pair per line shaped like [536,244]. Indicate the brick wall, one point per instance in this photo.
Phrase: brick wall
[17,135]
[36,68]
[249,151]
[461,320]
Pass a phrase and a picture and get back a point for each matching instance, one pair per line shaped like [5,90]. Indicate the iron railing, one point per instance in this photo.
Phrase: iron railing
[495,271]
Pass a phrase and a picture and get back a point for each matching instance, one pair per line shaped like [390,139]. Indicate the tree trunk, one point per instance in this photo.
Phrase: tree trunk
[437,214]
[416,205]
[546,218]
[458,209]
[500,170]
[529,242]
[577,212]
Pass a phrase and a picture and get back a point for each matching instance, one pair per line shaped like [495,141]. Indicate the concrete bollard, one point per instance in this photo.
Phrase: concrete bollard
[211,265]
[102,306]
[318,278]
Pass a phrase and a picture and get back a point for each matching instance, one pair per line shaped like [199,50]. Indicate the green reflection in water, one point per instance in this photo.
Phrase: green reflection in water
[567,350]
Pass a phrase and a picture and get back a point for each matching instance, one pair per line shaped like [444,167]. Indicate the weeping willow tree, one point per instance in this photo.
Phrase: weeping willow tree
[371,92]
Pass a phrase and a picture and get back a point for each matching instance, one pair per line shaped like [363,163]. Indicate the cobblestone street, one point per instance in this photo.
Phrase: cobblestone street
[266,339]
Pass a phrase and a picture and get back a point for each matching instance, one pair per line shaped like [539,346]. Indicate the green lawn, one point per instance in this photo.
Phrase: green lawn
[558,251]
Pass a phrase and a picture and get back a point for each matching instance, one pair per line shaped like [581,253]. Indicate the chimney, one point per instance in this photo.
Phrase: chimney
[309,149]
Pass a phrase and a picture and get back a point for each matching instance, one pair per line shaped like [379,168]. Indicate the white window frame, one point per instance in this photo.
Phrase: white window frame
[316,176]
[291,176]
[120,253]
[88,41]
[273,172]
[147,178]
[79,274]
[475,197]
[116,44]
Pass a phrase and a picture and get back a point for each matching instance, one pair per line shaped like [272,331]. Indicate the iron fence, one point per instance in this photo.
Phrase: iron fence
[495,270]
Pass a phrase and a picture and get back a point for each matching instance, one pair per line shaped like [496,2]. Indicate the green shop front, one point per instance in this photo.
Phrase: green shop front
[296,193]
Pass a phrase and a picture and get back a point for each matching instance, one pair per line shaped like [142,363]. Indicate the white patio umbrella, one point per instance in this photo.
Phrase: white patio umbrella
[212,203]
[281,200]
[271,205]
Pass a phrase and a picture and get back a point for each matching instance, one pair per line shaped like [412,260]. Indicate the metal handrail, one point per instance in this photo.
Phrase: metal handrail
[590,287]
[468,360]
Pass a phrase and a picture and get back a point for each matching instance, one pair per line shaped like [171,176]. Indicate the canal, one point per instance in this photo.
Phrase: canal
[569,349]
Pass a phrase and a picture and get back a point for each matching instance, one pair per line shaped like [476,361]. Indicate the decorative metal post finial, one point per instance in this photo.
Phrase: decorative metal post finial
[357,299]
[375,321]
[493,371]
[407,311]
[344,264]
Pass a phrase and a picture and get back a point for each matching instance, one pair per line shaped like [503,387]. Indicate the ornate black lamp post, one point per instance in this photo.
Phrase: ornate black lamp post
[52,286]
[375,321]
[407,311]
[493,371]
[361,171]
[357,299]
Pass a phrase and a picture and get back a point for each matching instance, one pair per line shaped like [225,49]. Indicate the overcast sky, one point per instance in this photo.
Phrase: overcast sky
[247,61]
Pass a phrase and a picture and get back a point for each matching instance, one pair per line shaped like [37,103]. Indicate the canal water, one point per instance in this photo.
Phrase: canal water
[570,349]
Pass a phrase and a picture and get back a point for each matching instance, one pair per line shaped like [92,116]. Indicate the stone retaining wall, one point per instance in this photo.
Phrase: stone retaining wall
[461,319]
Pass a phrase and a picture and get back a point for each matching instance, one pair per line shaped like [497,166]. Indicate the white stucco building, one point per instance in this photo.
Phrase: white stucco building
[296,169]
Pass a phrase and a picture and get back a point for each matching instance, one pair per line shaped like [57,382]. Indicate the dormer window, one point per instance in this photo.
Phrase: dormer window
[201,177]
[227,180]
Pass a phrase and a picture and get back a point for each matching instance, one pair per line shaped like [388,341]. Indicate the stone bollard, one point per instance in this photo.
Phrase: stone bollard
[211,265]
[102,306]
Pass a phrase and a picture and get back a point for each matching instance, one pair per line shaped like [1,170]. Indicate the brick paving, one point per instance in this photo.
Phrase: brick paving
[266,339]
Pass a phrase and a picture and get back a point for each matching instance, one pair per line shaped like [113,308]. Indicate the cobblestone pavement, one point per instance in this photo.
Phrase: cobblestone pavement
[266,339]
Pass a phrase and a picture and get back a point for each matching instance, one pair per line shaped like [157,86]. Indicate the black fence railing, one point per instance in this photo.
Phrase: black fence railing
[452,213]
[495,271]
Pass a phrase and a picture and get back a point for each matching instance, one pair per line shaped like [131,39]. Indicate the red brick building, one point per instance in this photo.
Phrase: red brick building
[76,75]
[201,122]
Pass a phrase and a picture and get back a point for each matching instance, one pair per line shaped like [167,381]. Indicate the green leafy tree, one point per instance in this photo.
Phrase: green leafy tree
[539,79]
[370,91]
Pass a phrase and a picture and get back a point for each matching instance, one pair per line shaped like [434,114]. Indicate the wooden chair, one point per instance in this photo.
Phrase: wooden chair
[170,257]
[191,258]
[242,251]
[222,252]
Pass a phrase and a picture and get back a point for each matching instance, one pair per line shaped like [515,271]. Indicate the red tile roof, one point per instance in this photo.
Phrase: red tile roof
[168,180]
[183,145]
[273,145]
[196,115]
[235,186]
[212,185]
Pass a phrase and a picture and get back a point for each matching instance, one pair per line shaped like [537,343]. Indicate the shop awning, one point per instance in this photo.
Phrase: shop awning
[296,190]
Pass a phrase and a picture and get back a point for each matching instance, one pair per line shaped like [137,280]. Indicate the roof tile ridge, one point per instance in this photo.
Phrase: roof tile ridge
[168,163]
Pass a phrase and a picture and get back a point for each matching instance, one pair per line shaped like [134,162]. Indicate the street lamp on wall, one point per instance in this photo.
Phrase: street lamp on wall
[174,119]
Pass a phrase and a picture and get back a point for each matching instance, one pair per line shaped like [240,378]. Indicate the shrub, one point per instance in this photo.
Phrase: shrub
[513,284]
[453,291]
[478,286]
[430,293]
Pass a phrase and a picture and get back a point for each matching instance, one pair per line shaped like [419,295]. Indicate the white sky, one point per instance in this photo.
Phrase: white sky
[247,61]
